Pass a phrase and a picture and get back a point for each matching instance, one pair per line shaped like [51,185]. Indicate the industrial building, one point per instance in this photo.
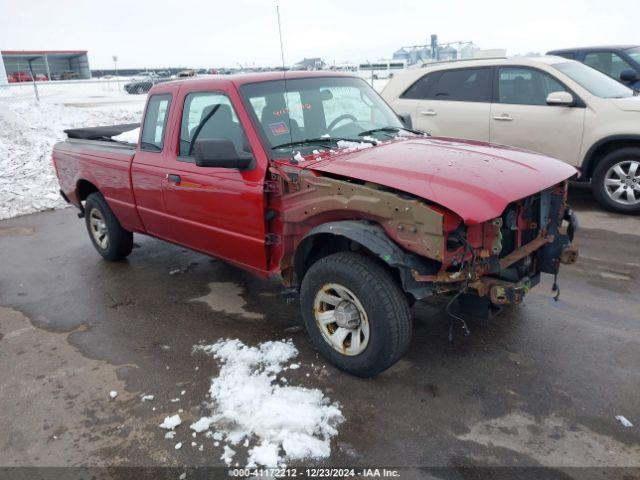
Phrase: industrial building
[46,64]
[437,52]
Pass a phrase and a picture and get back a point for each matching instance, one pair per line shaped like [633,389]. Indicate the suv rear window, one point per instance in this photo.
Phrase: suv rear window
[464,85]
[420,89]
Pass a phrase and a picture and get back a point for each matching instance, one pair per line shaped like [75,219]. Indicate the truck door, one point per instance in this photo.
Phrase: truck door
[147,169]
[218,211]
[522,118]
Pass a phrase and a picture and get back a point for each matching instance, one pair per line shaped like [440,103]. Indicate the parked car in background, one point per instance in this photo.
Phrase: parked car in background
[17,77]
[41,77]
[145,76]
[315,181]
[187,73]
[69,75]
[550,105]
[619,62]
[139,87]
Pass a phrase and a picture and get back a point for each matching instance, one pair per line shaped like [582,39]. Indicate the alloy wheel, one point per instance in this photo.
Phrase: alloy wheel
[622,182]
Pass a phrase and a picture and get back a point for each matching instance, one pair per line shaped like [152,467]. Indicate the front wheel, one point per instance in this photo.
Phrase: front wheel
[107,235]
[616,181]
[355,313]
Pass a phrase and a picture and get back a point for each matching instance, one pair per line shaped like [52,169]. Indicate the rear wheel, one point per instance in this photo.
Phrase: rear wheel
[616,181]
[355,313]
[107,235]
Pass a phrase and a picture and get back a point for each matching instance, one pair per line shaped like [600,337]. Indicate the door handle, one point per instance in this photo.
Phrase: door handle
[429,113]
[173,178]
[504,118]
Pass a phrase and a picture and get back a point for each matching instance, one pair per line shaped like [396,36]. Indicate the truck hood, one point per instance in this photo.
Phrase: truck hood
[628,104]
[475,180]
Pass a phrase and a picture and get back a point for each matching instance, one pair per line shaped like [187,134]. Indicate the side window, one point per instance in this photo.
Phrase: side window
[524,86]
[569,55]
[155,123]
[420,89]
[466,85]
[607,62]
[208,115]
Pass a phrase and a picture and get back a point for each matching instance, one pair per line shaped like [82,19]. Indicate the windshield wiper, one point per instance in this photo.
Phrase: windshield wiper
[322,142]
[390,129]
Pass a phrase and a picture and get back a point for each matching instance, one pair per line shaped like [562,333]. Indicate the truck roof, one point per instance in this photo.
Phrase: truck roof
[217,81]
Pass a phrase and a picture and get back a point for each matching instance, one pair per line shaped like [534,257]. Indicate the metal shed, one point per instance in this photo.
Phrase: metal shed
[55,64]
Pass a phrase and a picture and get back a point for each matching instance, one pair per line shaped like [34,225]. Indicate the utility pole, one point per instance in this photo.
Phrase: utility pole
[115,64]
[33,80]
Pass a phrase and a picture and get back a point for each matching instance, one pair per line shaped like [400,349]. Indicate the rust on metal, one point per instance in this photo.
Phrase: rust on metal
[526,250]
[410,222]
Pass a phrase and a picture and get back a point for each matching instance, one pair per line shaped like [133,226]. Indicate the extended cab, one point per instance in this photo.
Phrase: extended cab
[313,179]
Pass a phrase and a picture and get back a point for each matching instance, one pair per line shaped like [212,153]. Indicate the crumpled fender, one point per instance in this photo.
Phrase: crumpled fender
[372,236]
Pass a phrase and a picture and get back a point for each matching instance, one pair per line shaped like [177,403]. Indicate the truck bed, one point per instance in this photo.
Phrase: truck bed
[100,133]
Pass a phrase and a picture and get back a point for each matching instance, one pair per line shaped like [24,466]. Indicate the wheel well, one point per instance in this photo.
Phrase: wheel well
[84,189]
[602,150]
[322,245]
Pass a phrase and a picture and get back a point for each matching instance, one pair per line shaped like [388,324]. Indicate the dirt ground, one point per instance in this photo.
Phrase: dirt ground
[540,385]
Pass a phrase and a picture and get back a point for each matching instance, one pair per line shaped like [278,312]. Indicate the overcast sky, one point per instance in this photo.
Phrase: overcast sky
[191,33]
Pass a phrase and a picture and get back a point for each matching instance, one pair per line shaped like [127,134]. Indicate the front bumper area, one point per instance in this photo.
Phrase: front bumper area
[506,280]
[501,292]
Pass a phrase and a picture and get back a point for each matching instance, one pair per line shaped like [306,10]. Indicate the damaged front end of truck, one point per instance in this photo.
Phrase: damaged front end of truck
[429,248]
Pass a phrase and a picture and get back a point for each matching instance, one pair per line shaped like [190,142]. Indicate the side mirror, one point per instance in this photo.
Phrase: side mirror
[220,152]
[405,118]
[628,76]
[560,99]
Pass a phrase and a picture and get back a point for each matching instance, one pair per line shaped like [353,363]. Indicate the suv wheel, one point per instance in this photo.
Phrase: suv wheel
[355,313]
[107,235]
[616,181]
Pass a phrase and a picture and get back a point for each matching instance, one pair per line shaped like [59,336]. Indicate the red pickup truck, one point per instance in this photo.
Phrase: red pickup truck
[314,179]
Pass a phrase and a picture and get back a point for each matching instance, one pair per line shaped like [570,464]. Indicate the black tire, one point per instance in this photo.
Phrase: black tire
[384,303]
[599,177]
[119,241]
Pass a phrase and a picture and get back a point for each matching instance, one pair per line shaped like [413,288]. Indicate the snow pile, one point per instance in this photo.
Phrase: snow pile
[171,422]
[130,136]
[281,421]
[28,131]
[353,146]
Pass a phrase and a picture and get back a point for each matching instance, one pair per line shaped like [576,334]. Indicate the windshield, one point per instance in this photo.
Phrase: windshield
[315,112]
[634,53]
[594,81]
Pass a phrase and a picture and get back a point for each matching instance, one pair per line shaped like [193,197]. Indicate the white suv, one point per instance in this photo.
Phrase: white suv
[550,105]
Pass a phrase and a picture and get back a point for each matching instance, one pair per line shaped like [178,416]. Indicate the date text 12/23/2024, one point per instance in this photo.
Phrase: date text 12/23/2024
[315,473]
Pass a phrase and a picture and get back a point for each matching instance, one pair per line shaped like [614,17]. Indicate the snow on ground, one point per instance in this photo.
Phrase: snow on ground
[28,131]
[276,423]
[130,136]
